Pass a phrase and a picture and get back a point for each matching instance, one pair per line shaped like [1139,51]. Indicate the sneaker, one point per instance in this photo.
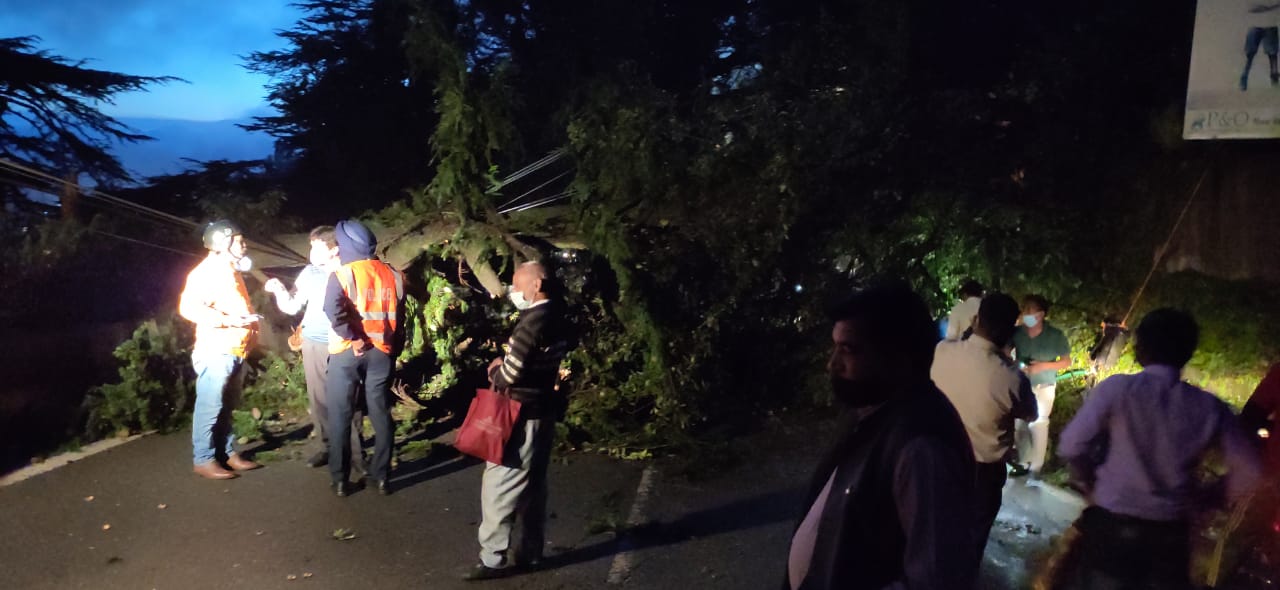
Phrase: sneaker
[1018,470]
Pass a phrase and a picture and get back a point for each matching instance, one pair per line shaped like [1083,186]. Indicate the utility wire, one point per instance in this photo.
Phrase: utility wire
[141,210]
[145,243]
[534,189]
[545,161]
[1164,249]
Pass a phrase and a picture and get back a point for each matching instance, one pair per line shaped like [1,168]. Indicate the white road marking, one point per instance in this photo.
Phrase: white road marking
[621,568]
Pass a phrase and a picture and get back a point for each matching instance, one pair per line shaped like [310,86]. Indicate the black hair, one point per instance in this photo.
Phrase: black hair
[998,314]
[971,288]
[895,319]
[1166,336]
[1036,301]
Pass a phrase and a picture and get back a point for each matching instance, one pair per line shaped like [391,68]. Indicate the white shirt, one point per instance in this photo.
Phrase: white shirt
[987,390]
[1263,13]
[961,317]
[806,538]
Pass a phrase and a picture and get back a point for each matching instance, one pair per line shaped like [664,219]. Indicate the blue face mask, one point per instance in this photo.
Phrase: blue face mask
[1030,320]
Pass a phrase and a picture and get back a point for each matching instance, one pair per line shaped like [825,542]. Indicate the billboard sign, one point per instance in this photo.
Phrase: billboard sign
[1233,91]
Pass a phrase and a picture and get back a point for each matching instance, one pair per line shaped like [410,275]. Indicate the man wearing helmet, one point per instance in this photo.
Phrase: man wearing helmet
[217,302]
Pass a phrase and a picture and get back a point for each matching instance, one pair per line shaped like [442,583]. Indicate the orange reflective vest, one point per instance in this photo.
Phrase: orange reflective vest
[375,290]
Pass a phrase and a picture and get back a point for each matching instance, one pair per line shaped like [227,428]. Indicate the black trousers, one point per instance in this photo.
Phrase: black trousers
[1119,552]
[989,480]
[346,371]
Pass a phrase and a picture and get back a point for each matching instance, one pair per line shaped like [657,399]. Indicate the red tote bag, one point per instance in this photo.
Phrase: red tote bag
[487,427]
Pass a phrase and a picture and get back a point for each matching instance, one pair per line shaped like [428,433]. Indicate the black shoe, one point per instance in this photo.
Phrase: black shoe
[483,572]
[384,487]
[319,459]
[1018,470]
[340,488]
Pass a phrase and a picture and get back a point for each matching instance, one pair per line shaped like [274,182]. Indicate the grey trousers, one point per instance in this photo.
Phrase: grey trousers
[315,364]
[514,499]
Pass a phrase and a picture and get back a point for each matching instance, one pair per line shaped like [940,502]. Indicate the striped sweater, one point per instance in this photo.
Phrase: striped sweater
[531,366]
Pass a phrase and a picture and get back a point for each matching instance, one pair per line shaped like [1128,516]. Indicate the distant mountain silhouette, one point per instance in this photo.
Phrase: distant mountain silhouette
[176,139]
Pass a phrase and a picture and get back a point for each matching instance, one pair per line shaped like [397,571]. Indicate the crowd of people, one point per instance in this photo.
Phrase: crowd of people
[929,435]
[931,432]
[351,333]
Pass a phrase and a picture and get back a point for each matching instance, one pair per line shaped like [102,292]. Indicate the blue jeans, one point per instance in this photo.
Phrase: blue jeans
[1268,38]
[219,379]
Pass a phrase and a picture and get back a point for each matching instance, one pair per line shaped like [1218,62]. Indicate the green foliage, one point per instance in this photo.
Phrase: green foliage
[276,384]
[438,327]
[58,99]
[155,390]
[414,450]
[157,387]
[244,426]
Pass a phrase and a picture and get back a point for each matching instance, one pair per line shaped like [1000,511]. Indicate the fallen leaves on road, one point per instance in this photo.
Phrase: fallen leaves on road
[106,527]
[306,574]
[88,498]
[344,534]
[291,577]
[162,506]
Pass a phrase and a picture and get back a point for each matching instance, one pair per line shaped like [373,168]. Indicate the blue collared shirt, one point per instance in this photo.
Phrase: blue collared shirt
[1142,437]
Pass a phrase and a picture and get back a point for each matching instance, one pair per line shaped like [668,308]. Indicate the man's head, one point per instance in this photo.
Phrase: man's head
[883,338]
[1034,310]
[324,247]
[970,288]
[528,285]
[1166,337]
[997,319]
[225,237]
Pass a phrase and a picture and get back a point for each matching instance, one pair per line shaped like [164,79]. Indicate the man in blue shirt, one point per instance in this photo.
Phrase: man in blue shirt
[308,293]
[1134,446]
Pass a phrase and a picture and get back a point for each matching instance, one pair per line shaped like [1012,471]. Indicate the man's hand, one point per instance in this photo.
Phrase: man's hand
[275,287]
[494,364]
[359,346]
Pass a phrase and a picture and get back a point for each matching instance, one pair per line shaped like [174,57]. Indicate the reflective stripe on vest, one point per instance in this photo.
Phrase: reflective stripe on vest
[374,290]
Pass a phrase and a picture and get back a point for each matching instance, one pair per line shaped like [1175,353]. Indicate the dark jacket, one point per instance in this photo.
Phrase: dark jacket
[900,511]
[531,367]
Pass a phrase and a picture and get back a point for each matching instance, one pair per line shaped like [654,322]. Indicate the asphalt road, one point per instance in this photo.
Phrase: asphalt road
[725,523]
[135,517]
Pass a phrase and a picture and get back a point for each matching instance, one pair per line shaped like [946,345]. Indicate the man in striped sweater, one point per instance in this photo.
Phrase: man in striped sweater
[513,495]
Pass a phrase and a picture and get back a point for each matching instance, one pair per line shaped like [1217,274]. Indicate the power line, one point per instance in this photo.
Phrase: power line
[140,210]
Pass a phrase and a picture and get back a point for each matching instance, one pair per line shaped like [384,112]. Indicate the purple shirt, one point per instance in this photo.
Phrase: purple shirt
[1155,429]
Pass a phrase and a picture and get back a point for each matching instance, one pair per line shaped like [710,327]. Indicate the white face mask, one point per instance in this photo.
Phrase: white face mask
[518,300]
[244,264]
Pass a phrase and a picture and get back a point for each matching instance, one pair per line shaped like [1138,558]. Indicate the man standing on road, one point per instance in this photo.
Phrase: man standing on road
[217,302]
[1041,350]
[308,292]
[515,498]
[364,301]
[1135,446]
[891,505]
[989,392]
